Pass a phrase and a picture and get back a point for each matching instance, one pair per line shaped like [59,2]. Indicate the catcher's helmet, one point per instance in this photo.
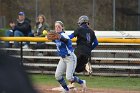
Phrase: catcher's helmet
[83,19]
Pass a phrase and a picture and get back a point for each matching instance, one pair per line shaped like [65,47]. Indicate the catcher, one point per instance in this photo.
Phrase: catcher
[68,59]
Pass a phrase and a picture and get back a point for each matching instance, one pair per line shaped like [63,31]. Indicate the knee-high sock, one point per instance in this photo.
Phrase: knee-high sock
[78,80]
[63,84]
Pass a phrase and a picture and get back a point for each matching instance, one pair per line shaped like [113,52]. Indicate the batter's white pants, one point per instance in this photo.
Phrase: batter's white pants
[68,65]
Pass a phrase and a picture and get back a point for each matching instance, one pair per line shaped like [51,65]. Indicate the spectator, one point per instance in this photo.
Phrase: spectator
[21,28]
[40,26]
[10,33]
[40,30]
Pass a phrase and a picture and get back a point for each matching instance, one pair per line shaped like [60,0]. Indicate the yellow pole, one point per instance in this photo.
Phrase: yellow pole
[116,40]
[31,39]
[43,39]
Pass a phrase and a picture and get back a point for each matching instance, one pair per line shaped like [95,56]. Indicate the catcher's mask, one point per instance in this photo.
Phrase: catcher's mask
[83,19]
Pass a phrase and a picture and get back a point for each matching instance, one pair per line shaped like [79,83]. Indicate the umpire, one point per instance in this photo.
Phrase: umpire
[86,42]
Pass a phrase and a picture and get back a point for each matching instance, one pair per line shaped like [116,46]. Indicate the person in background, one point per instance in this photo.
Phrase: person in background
[21,28]
[40,30]
[10,33]
[40,26]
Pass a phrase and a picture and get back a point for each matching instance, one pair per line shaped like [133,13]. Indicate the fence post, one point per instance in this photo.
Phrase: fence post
[114,15]
[21,53]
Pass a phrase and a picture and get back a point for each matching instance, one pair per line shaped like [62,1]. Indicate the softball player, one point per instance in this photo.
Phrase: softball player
[68,59]
[86,42]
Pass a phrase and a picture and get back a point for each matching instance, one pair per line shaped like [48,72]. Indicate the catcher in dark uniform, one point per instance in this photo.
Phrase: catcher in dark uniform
[86,42]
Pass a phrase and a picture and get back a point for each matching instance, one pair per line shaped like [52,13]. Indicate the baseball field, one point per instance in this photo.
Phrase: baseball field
[95,84]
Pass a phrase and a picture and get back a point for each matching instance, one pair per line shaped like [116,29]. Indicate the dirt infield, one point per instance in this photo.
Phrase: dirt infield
[47,89]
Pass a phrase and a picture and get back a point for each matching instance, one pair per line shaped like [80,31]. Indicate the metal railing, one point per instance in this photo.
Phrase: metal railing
[93,58]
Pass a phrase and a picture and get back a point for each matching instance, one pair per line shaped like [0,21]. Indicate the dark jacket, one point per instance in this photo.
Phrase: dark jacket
[85,38]
[39,33]
[24,27]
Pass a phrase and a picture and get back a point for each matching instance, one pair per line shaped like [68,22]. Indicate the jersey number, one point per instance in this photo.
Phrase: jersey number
[88,37]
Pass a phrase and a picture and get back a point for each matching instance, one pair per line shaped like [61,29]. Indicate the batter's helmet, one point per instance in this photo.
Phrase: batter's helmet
[83,19]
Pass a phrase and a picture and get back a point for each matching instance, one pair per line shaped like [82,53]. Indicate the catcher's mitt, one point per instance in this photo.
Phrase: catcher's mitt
[53,36]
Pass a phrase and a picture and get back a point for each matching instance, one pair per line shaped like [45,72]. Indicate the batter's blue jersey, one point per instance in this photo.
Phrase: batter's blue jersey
[64,48]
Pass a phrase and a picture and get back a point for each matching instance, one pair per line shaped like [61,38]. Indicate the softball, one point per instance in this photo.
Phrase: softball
[45,32]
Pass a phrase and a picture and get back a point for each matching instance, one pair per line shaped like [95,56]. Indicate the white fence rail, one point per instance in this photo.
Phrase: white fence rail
[94,66]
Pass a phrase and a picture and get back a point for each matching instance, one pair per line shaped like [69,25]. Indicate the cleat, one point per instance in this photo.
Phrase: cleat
[84,86]
[88,68]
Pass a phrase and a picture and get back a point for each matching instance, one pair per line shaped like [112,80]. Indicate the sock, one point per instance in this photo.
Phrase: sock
[63,84]
[79,81]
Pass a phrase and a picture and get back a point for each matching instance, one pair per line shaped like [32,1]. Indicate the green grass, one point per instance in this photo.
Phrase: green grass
[94,81]
[44,79]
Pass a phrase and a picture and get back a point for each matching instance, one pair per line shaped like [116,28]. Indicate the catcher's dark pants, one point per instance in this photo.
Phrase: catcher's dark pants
[82,60]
